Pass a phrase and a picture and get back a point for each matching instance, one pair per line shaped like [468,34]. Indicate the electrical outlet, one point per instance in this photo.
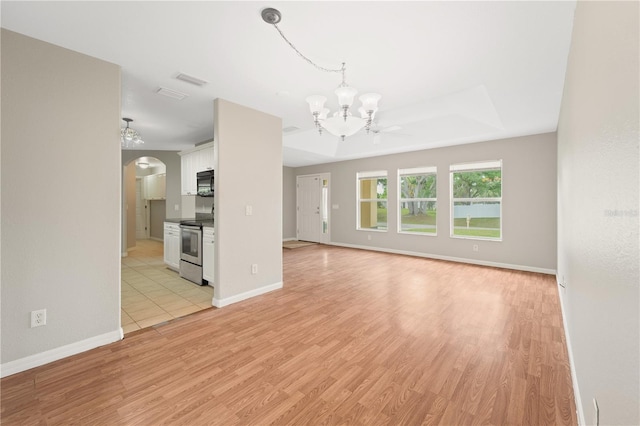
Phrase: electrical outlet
[369,237]
[475,247]
[596,413]
[38,318]
[248,210]
[254,268]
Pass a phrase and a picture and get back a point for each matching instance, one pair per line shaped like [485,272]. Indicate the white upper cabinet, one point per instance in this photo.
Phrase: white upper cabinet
[193,161]
[155,186]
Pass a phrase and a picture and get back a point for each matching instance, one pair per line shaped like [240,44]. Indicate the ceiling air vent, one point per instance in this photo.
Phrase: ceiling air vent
[290,129]
[171,93]
[191,79]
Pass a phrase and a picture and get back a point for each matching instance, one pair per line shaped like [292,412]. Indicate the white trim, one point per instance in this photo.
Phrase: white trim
[219,303]
[124,254]
[429,234]
[196,148]
[374,174]
[470,167]
[451,259]
[156,239]
[574,375]
[431,170]
[32,361]
[289,239]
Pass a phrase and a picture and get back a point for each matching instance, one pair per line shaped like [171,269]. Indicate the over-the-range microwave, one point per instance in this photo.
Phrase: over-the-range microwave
[205,183]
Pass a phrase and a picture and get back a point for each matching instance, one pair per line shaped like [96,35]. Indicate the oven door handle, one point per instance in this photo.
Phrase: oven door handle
[195,228]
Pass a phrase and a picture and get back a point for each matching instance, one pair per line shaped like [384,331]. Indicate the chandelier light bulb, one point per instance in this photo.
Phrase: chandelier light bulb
[316,103]
[370,101]
[345,95]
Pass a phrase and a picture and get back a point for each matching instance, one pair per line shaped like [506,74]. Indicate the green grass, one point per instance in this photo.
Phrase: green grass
[491,233]
[382,215]
[481,222]
[419,219]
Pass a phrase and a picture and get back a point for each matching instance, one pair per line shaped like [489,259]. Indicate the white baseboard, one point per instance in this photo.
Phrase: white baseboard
[289,239]
[574,376]
[124,254]
[219,303]
[451,259]
[156,239]
[32,361]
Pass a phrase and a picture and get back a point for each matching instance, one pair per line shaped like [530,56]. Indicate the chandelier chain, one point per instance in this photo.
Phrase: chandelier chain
[342,70]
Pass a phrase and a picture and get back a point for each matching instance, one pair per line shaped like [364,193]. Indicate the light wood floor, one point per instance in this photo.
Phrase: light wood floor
[355,337]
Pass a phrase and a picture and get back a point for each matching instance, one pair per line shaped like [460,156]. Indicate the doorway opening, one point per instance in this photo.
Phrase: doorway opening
[145,182]
[150,292]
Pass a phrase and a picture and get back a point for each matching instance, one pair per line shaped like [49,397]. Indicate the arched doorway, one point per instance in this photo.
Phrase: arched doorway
[144,181]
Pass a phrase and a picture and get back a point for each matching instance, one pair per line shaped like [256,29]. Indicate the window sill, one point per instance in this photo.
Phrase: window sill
[429,234]
[467,237]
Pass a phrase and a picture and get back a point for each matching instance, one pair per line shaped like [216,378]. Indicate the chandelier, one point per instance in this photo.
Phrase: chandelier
[342,122]
[129,138]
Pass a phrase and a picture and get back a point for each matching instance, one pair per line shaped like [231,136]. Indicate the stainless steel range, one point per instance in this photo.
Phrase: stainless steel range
[191,251]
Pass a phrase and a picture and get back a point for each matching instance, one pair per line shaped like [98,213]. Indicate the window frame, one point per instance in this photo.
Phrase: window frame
[416,171]
[370,175]
[475,167]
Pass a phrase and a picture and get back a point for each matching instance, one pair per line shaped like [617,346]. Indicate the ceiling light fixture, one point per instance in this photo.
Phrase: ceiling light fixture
[129,138]
[342,123]
[143,165]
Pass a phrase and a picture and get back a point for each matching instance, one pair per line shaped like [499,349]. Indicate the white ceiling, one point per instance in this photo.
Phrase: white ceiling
[448,72]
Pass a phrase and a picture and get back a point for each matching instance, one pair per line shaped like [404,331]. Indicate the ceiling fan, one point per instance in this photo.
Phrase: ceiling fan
[378,131]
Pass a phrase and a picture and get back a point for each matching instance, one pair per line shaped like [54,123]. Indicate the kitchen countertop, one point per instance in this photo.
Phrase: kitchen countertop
[205,223]
[176,220]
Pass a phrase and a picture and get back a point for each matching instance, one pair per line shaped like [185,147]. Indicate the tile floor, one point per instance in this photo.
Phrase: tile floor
[153,293]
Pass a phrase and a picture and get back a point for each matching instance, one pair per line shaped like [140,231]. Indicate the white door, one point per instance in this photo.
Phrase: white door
[141,216]
[309,199]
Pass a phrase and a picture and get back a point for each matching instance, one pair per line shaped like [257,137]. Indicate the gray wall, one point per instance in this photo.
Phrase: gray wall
[289,203]
[249,173]
[528,202]
[129,206]
[60,201]
[598,255]
[156,218]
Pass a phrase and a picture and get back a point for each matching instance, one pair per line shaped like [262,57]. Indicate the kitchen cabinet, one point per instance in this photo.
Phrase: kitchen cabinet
[208,247]
[155,186]
[193,161]
[172,245]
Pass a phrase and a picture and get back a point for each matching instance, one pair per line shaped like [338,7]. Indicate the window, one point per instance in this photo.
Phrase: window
[372,200]
[325,206]
[476,200]
[417,202]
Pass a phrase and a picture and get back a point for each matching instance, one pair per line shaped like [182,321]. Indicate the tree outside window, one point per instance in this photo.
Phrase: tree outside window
[476,200]
[417,202]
